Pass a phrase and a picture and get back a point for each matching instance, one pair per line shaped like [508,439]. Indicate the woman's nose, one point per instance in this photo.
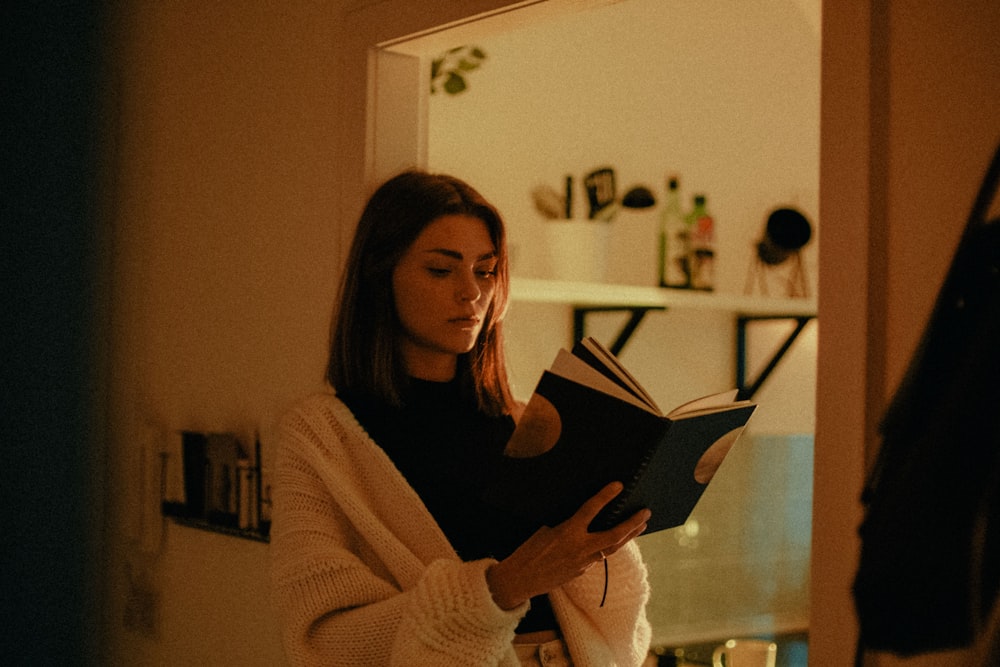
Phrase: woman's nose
[468,287]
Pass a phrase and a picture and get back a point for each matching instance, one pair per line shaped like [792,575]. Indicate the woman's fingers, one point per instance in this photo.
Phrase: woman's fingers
[596,503]
[635,526]
[553,556]
[607,542]
[628,530]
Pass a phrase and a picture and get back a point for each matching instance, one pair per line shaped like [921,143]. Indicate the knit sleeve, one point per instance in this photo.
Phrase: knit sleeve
[621,622]
[450,618]
[342,601]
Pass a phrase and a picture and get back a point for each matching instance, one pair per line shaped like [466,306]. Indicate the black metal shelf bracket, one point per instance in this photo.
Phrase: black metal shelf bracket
[636,313]
[746,390]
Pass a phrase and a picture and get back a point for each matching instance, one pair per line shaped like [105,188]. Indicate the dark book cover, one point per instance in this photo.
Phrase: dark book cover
[574,438]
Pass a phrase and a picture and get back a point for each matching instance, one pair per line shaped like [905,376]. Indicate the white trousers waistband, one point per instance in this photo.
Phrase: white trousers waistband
[549,654]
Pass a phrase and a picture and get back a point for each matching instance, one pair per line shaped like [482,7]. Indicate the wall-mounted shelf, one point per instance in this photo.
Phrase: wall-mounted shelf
[223,491]
[223,525]
[586,298]
[636,296]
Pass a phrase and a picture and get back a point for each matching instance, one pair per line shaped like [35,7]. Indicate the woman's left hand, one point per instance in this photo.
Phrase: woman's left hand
[553,556]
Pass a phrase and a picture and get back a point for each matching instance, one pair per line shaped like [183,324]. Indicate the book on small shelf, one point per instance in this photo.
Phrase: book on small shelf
[589,423]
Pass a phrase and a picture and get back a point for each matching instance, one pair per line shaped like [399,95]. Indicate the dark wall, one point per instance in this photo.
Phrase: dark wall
[50,222]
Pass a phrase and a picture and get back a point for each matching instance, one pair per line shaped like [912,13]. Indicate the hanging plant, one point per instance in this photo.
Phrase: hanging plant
[448,71]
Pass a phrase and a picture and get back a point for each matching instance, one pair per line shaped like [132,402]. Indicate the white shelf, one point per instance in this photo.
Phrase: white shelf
[584,295]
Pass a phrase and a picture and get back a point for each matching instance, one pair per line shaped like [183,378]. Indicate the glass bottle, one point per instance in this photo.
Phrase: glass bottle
[701,259]
[674,240]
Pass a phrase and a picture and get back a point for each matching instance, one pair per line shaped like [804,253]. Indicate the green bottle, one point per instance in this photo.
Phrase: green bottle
[674,238]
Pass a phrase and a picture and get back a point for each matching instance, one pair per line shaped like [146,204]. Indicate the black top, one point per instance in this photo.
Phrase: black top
[447,449]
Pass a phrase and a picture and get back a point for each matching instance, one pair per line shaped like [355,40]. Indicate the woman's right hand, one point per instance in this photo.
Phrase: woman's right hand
[553,556]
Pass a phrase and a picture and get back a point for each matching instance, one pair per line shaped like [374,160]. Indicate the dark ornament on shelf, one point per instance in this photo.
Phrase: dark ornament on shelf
[786,232]
[639,197]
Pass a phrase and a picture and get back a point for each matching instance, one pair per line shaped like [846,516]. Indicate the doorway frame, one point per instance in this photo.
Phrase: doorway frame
[846,413]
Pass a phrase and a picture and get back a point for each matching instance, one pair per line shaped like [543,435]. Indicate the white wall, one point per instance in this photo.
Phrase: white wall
[725,95]
[634,85]
[728,98]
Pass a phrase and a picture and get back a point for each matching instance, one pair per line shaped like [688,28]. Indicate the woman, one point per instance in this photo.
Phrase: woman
[383,552]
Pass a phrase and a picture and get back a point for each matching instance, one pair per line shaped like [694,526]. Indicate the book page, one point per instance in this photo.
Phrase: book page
[575,369]
[712,403]
[616,367]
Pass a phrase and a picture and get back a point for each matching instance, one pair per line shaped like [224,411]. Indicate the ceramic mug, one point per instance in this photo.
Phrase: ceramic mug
[745,653]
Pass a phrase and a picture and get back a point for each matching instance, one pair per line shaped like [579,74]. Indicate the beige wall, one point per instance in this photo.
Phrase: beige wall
[225,260]
[908,123]
[242,167]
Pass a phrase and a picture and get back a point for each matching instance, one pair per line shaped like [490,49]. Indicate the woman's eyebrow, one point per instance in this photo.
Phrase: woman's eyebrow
[457,255]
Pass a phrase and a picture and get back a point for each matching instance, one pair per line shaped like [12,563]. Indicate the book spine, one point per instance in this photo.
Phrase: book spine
[612,513]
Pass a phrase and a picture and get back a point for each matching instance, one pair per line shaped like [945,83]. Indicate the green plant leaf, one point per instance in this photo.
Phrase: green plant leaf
[451,65]
[454,84]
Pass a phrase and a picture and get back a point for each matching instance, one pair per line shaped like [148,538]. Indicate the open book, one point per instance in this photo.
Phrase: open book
[589,423]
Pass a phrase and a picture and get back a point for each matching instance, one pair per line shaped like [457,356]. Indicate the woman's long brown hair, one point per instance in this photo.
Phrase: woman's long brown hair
[364,355]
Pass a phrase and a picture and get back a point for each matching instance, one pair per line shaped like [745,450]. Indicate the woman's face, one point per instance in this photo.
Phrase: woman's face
[443,285]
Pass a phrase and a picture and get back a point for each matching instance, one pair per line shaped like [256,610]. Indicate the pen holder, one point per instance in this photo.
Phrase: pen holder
[577,250]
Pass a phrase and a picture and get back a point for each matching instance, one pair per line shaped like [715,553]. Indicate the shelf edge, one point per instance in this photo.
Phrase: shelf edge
[538,290]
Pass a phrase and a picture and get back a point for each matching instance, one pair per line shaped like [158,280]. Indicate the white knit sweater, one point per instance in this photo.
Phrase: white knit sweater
[363,576]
